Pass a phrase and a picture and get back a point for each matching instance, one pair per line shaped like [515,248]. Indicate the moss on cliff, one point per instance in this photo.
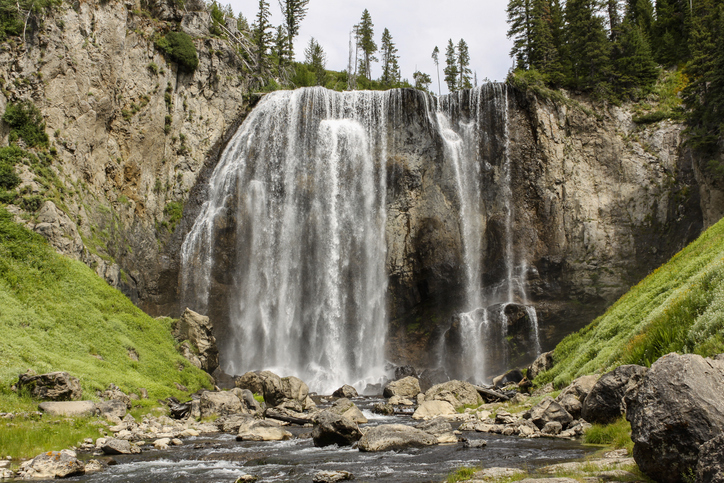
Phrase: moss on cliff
[57,315]
[677,308]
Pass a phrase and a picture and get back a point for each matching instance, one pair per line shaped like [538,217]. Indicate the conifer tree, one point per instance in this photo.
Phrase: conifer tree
[367,44]
[544,54]
[293,12]
[641,13]
[390,66]
[422,80]
[436,59]
[614,19]
[520,21]
[634,66]
[589,46]
[671,31]
[451,67]
[262,38]
[316,59]
[463,65]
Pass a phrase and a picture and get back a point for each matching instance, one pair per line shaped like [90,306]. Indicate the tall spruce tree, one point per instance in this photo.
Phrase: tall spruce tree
[641,13]
[390,66]
[316,59]
[464,72]
[634,66]
[544,54]
[261,34]
[520,26]
[614,17]
[422,80]
[366,44]
[451,67]
[589,46]
[293,12]
[671,31]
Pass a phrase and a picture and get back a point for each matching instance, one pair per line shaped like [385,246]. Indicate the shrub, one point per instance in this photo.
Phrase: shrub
[26,122]
[180,48]
[153,68]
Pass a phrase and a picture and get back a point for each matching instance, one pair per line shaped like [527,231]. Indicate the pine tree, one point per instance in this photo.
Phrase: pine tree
[422,80]
[436,59]
[390,66]
[293,12]
[463,65]
[316,59]
[367,44]
[520,21]
[262,38]
[671,31]
[589,46]
[641,13]
[451,67]
[614,19]
[634,66]
[280,53]
[543,52]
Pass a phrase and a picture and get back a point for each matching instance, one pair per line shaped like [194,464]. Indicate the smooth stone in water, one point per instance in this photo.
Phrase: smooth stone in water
[332,476]
[394,437]
[434,409]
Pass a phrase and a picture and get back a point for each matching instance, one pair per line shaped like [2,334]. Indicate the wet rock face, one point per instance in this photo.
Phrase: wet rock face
[676,408]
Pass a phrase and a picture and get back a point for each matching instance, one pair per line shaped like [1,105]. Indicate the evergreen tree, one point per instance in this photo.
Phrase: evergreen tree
[463,65]
[366,44]
[316,59]
[589,46]
[641,13]
[671,31]
[293,12]
[390,66]
[262,38]
[436,59]
[634,66]
[543,51]
[520,21]
[451,67]
[614,19]
[280,54]
[422,80]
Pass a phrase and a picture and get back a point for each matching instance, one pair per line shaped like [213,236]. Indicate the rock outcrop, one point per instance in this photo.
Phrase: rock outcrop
[395,437]
[198,331]
[710,467]
[677,407]
[53,464]
[604,404]
[332,428]
[406,387]
[54,386]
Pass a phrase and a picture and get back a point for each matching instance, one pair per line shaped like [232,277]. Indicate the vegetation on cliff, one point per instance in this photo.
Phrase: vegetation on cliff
[56,314]
[677,308]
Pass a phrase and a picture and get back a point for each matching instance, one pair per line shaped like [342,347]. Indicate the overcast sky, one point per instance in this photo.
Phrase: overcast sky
[416,26]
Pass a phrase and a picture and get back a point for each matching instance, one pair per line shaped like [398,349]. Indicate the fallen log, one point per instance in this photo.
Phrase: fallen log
[488,394]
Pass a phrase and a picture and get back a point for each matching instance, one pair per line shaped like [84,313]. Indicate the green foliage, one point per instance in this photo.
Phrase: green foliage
[616,435]
[261,37]
[679,307]
[365,41]
[634,67]
[259,397]
[180,48]
[461,474]
[25,438]
[294,12]
[174,211]
[315,58]
[463,57]
[26,123]
[422,80]
[451,67]
[588,45]
[46,300]
[9,157]
[390,66]
[14,13]
[152,68]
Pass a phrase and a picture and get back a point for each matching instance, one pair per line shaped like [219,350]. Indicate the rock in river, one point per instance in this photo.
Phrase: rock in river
[395,436]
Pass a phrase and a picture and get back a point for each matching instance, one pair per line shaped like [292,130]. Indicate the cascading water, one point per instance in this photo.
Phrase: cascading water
[291,240]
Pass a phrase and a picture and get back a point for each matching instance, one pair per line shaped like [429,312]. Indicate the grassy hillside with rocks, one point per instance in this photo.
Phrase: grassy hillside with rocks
[56,314]
[678,308]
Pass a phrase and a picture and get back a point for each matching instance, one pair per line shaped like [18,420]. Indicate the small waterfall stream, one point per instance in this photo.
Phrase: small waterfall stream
[293,232]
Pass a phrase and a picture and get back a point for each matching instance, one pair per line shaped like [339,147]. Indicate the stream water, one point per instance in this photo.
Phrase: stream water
[220,458]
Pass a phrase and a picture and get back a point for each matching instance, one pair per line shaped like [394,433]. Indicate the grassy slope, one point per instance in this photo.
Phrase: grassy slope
[57,315]
[677,308]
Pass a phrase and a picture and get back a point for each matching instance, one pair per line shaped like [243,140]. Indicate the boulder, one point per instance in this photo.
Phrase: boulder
[464,392]
[474,443]
[436,426]
[53,386]
[677,407]
[395,437]
[332,428]
[276,390]
[549,410]
[405,387]
[197,329]
[580,388]
[552,428]
[604,404]
[53,464]
[571,403]
[68,408]
[542,363]
[232,423]
[383,409]
[433,409]
[112,409]
[354,414]
[710,467]
[162,443]
[119,446]
[513,376]
[247,398]
[262,430]
[219,404]
[253,381]
[345,391]
[332,476]
[404,371]
[114,393]
[223,380]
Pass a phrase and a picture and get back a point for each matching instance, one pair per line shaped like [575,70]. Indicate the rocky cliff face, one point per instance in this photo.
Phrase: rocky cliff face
[598,200]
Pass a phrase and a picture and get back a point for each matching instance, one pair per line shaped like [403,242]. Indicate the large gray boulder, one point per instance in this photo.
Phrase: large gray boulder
[542,363]
[219,404]
[464,392]
[51,465]
[710,468]
[332,428]
[549,410]
[677,407]
[112,409]
[68,408]
[395,436]
[604,404]
[53,386]
[114,393]
[406,387]
[197,329]
[253,381]
[346,391]
[119,446]
[262,430]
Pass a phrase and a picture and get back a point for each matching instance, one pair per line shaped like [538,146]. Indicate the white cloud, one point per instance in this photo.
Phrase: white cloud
[417,26]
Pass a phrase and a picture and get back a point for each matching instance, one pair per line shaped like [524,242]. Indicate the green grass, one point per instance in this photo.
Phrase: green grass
[56,314]
[23,438]
[677,308]
[616,435]
[461,474]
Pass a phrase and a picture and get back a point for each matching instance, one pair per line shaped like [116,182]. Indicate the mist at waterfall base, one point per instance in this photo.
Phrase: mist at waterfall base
[293,232]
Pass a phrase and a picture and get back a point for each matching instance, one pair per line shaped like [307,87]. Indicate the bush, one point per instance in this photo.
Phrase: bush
[26,122]
[180,48]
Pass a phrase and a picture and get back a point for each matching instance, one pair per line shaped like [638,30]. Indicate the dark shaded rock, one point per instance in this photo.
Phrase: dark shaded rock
[119,446]
[710,467]
[513,376]
[197,329]
[430,377]
[332,428]
[345,391]
[247,398]
[112,408]
[402,372]
[384,409]
[405,387]
[542,363]
[253,381]
[395,436]
[604,404]
[53,386]
[223,380]
[677,407]
[549,410]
